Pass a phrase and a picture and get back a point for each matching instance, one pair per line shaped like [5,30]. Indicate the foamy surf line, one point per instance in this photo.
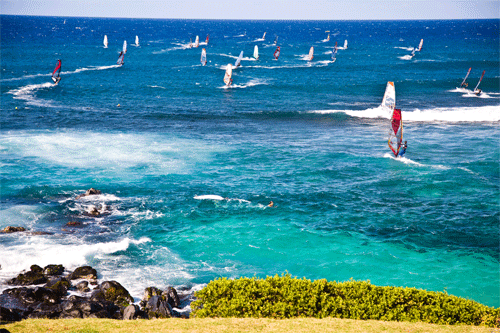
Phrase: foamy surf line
[450,115]
[78,70]
[251,83]
[45,251]
[408,161]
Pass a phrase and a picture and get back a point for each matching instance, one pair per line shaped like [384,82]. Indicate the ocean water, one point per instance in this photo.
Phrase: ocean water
[309,136]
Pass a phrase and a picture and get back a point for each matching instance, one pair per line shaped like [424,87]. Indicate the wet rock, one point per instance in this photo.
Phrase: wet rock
[34,276]
[84,272]
[73,224]
[172,297]
[131,312]
[116,293]
[51,270]
[9,315]
[10,229]
[158,307]
[39,233]
[90,191]
[83,286]
[58,285]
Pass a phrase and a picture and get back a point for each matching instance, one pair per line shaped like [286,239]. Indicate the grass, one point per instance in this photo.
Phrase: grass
[231,325]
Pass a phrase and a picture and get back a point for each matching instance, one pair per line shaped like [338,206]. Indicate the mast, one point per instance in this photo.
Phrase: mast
[481,79]
[466,76]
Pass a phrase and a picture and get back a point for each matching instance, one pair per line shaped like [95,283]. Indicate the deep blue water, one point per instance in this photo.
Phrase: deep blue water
[309,136]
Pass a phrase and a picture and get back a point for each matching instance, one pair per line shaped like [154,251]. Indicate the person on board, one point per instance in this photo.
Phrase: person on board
[478,92]
[402,150]
[271,204]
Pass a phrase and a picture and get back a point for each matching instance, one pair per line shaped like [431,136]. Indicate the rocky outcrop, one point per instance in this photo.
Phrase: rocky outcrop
[90,191]
[159,304]
[84,272]
[10,229]
[114,292]
[50,299]
[34,276]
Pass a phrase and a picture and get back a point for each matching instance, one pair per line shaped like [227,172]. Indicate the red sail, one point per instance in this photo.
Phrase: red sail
[277,53]
[396,120]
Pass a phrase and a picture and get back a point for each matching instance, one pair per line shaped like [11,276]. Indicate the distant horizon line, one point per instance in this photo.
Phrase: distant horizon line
[249,19]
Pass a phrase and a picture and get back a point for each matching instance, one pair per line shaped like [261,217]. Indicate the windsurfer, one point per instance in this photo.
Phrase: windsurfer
[271,204]
[478,92]
[402,150]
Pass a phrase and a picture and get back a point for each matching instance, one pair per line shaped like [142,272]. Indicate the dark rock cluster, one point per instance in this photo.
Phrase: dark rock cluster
[50,293]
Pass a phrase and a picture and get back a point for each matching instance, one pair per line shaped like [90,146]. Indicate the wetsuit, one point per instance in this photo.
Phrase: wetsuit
[402,151]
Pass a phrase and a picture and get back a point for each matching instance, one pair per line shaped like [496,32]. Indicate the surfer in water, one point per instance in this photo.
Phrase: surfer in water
[271,204]
[402,150]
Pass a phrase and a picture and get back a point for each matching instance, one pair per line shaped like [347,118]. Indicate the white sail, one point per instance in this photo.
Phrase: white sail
[311,53]
[264,36]
[197,41]
[238,61]
[256,52]
[229,73]
[481,79]
[203,57]
[420,45]
[465,79]
[136,40]
[345,44]
[124,46]
[105,42]
[389,100]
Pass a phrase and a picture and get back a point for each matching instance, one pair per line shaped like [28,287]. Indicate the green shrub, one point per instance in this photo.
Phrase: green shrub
[287,297]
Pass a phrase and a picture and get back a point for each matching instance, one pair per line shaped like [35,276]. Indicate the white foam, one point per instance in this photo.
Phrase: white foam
[482,95]
[408,161]
[452,115]
[46,250]
[208,197]
[407,48]
[251,83]
[159,154]
[406,57]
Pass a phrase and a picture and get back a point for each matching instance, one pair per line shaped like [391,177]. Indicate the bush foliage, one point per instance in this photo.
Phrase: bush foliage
[287,297]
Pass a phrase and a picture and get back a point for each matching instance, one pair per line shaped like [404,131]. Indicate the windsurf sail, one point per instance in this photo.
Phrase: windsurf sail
[311,53]
[190,45]
[124,46]
[277,53]
[256,52]
[420,45]
[121,57]
[328,38]
[203,57]
[136,40]
[413,52]
[465,79]
[334,52]
[276,41]
[206,40]
[228,76]
[481,79]
[264,36]
[238,61]
[389,100]
[105,41]
[57,72]
[396,132]
[345,44]
[197,41]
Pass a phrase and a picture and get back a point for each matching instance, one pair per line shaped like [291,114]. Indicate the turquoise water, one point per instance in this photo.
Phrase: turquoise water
[309,136]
